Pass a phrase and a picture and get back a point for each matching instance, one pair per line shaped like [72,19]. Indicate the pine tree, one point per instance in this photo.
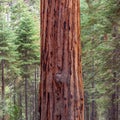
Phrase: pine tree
[98,22]
[8,53]
[28,49]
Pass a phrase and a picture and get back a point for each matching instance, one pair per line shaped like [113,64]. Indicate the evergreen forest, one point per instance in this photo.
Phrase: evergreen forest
[20,59]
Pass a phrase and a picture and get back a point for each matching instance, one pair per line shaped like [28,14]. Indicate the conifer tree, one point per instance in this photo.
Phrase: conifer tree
[8,52]
[27,49]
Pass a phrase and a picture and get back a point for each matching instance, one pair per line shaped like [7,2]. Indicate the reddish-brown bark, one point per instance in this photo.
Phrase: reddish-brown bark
[61,87]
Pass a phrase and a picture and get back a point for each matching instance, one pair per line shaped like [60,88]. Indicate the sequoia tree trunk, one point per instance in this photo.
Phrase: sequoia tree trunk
[61,87]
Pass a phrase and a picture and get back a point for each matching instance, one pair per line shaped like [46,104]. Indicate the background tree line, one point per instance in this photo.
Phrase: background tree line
[100,21]
[19,59]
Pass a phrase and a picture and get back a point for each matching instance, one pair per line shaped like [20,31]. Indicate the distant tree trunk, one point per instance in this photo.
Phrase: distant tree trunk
[61,87]
[3,87]
[26,104]
[87,110]
[31,109]
[14,97]
[117,102]
[119,98]
[35,101]
[93,109]
[115,55]
[116,96]
[93,104]
[108,117]
[113,107]
[114,99]
[20,104]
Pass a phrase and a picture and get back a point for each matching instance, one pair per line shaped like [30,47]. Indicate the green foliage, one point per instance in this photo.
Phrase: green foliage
[19,46]
[6,41]
[14,112]
[100,51]
[27,41]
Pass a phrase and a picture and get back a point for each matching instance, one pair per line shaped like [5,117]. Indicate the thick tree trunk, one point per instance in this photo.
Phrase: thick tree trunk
[61,87]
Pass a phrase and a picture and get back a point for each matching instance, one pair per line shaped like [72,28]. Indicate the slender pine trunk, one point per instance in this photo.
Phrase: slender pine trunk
[117,100]
[14,97]
[93,104]
[20,104]
[26,99]
[35,93]
[87,105]
[3,88]
[113,99]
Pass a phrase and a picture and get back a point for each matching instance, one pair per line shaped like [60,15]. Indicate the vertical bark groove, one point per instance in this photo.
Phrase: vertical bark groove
[61,87]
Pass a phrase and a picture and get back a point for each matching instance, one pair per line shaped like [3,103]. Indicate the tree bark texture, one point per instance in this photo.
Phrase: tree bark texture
[61,87]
